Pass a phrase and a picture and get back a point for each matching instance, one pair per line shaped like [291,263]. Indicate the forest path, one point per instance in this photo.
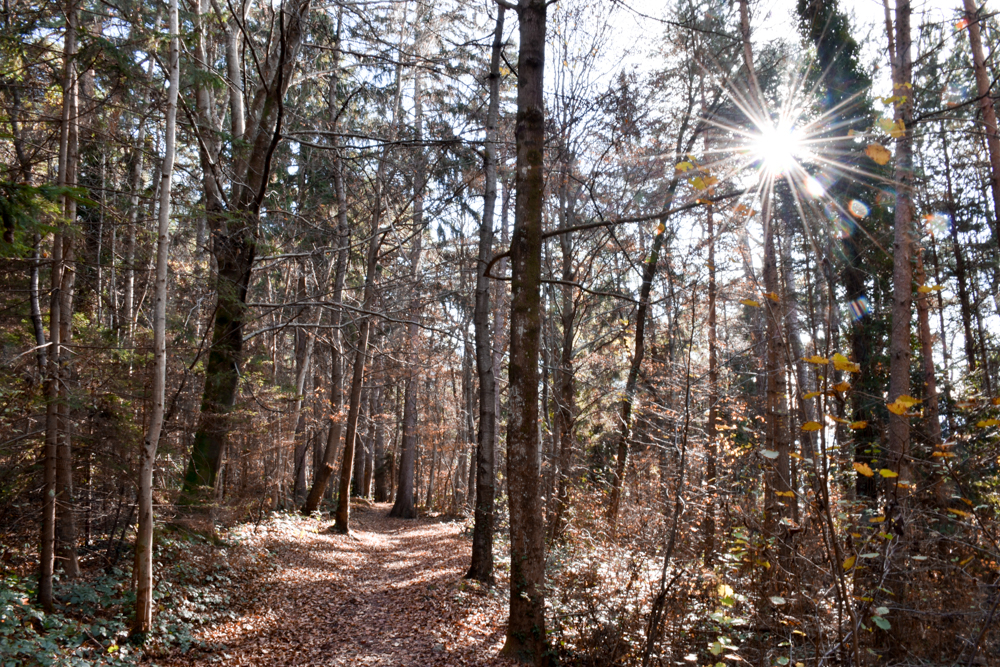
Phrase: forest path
[390,593]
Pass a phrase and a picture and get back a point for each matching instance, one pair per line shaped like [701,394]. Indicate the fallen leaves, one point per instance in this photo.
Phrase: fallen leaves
[390,593]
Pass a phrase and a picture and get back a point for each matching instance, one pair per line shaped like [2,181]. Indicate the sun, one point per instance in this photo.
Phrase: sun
[778,148]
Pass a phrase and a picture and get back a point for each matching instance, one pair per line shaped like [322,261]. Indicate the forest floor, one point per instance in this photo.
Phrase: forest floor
[390,593]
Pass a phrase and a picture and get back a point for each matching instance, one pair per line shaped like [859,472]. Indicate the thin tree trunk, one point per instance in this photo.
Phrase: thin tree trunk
[147,461]
[481,567]
[932,415]
[973,17]
[405,505]
[324,472]
[712,453]
[48,537]
[526,639]
[65,503]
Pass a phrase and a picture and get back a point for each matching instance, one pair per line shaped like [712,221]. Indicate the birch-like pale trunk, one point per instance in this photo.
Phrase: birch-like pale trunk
[142,623]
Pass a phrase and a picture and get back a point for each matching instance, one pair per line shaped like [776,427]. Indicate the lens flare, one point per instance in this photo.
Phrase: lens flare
[859,308]
[858,209]
[936,223]
[778,148]
[814,187]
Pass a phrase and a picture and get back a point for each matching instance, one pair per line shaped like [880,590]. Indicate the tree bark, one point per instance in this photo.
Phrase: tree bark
[234,239]
[65,531]
[972,19]
[325,470]
[142,623]
[526,639]
[405,505]
[48,537]
[902,247]
[481,567]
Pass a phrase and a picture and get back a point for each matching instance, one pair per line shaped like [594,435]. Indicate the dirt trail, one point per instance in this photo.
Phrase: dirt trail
[391,593]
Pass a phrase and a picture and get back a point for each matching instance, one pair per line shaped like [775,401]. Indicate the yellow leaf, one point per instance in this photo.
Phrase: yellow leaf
[849,562]
[795,456]
[684,166]
[812,426]
[959,513]
[811,394]
[863,469]
[885,472]
[772,296]
[785,494]
[699,183]
[943,455]
[986,423]
[842,386]
[842,363]
[878,153]
[816,359]
[996,401]
[750,302]
[924,289]
[876,519]
[897,408]
[838,420]
[966,561]
[858,425]
[908,401]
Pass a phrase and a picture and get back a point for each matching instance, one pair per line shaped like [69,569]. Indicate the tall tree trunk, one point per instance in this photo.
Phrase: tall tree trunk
[712,451]
[902,250]
[973,17]
[323,473]
[383,462]
[234,240]
[343,515]
[932,415]
[48,537]
[65,504]
[143,620]
[405,505]
[481,567]
[360,448]
[961,276]
[776,438]
[564,391]
[526,638]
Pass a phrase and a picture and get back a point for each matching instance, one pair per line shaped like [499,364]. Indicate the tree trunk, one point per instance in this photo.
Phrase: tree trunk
[972,20]
[404,507]
[143,620]
[65,504]
[234,241]
[902,249]
[564,391]
[360,449]
[712,451]
[48,537]
[323,472]
[526,638]
[481,567]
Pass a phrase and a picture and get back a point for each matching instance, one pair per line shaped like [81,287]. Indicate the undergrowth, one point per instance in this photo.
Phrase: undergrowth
[198,582]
